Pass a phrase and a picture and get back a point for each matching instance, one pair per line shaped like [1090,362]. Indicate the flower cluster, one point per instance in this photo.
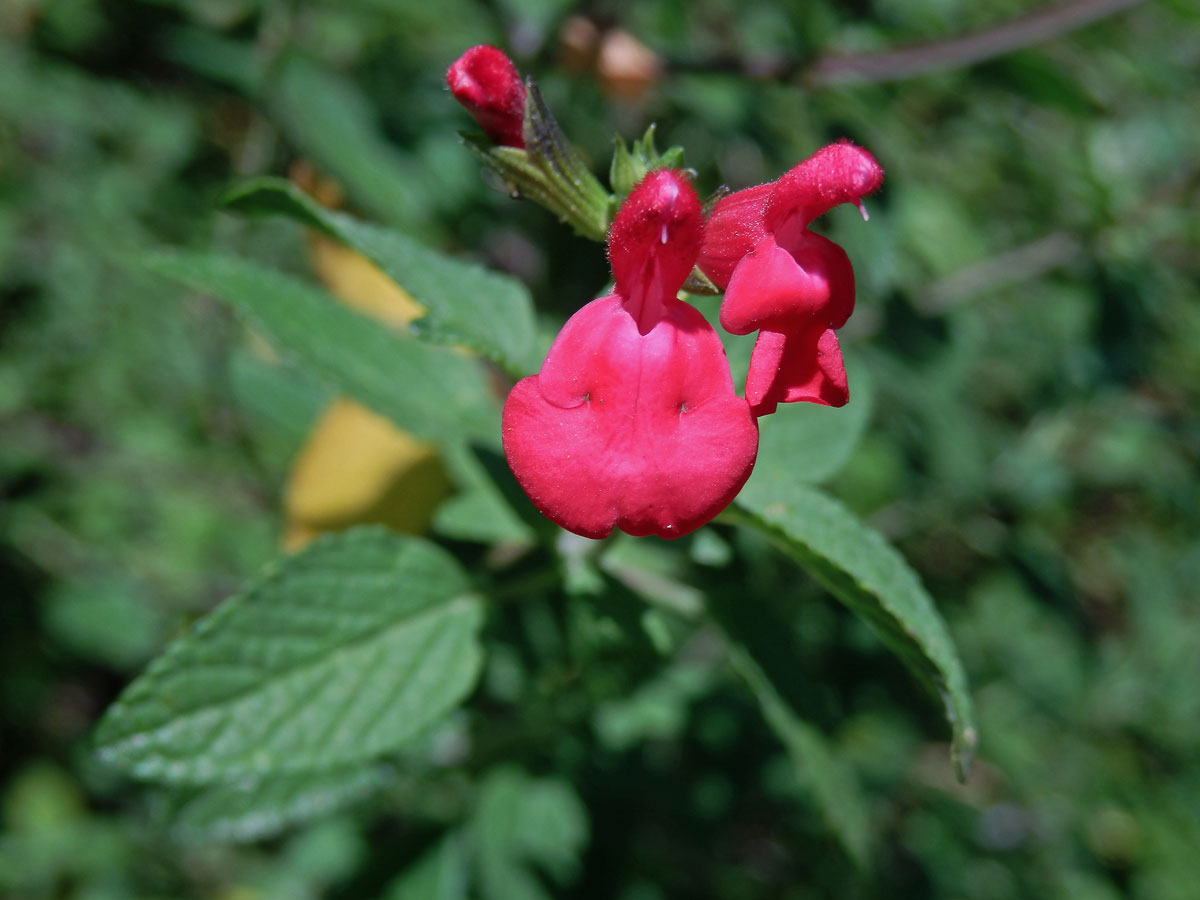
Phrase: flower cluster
[633,422]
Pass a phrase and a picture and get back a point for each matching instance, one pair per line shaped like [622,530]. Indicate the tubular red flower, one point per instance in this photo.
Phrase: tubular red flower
[632,421]
[791,285]
[488,85]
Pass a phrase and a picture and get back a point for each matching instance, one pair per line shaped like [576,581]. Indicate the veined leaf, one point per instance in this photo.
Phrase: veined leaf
[866,573]
[430,391]
[333,656]
[252,809]
[467,304]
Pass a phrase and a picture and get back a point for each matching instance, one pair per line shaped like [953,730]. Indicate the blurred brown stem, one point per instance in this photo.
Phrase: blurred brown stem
[893,65]
[1020,264]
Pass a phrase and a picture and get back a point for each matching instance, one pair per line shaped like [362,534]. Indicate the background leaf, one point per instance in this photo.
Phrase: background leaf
[809,442]
[489,503]
[1027,300]
[467,304]
[338,654]
[331,123]
[523,822]
[862,570]
[430,391]
[817,767]
[441,874]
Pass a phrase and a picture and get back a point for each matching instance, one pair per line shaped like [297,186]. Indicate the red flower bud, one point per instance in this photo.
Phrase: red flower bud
[488,85]
[632,421]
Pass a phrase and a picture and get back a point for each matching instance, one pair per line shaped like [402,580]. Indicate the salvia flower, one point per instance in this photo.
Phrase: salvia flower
[792,286]
[632,421]
[485,81]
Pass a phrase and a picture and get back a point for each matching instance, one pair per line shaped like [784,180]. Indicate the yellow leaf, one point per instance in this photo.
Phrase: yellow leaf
[361,284]
[357,468]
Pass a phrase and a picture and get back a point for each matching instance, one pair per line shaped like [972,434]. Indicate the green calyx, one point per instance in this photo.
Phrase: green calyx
[550,171]
[631,163]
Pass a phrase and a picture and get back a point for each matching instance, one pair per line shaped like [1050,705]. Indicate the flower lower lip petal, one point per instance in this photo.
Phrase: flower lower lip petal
[668,449]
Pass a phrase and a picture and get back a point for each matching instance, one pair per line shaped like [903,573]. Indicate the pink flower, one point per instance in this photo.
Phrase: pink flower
[791,285]
[488,85]
[632,421]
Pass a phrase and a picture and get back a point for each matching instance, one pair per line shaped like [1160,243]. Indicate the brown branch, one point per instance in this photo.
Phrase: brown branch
[1020,264]
[893,65]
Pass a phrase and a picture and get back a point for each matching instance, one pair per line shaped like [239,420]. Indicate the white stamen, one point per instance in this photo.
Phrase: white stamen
[862,209]
[663,236]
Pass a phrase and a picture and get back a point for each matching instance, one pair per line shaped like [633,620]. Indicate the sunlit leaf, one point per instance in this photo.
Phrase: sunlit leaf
[252,809]
[430,391]
[467,304]
[355,468]
[336,655]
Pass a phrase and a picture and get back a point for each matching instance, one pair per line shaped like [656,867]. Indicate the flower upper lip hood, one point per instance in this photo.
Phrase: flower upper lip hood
[653,244]
[632,421]
[841,172]
[485,81]
[838,173]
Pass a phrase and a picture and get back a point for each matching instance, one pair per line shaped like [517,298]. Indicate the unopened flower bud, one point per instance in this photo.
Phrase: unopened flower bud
[488,85]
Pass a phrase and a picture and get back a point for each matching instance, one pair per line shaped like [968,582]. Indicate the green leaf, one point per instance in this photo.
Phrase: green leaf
[866,573]
[523,821]
[334,125]
[657,710]
[467,304]
[625,170]
[827,777]
[810,443]
[432,392]
[336,655]
[441,874]
[252,809]
[485,507]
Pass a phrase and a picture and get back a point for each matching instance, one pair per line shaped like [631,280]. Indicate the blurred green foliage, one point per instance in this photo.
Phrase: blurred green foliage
[1028,288]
